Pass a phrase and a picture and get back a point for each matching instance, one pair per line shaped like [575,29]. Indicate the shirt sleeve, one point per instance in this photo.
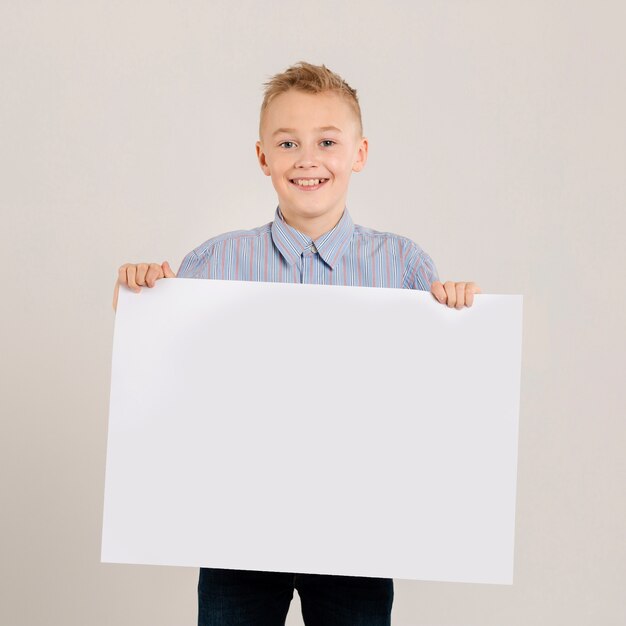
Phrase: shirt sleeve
[191,266]
[420,271]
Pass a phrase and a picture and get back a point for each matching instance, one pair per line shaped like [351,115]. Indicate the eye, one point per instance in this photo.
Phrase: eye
[329,141]
[284,142]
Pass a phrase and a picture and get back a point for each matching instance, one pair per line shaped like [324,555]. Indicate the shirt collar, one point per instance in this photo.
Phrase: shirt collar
[331,246]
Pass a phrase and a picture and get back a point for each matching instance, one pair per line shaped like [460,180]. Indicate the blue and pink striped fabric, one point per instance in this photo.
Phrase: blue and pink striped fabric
[349,255]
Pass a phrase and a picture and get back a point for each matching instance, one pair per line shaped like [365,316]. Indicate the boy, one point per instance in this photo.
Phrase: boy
[310,141]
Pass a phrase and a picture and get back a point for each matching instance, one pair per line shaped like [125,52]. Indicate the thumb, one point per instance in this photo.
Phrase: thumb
[167,270]
[438,291]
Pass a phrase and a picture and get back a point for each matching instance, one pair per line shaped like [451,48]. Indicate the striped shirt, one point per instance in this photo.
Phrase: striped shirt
[348,254]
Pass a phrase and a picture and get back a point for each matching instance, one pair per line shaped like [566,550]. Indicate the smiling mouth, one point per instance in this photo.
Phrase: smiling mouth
[308,184]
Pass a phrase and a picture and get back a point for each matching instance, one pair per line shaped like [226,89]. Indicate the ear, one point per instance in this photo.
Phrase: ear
[361,155]
[260,155]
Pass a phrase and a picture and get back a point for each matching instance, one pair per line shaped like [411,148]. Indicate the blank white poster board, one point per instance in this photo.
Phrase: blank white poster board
[313,429]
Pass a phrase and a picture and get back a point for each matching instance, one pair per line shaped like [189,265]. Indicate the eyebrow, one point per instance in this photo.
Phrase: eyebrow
[293,130]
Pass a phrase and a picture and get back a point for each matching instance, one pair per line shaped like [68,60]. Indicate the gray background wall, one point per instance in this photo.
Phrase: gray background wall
[497,142]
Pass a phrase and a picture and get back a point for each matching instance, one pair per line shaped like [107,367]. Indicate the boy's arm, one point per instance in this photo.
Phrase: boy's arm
[422,274]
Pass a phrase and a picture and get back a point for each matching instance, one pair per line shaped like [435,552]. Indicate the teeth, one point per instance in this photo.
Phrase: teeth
[308,183]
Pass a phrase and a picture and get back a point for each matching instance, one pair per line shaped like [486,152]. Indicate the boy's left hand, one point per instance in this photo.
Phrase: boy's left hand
[455,295]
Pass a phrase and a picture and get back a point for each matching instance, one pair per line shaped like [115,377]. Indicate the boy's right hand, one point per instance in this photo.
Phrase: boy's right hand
[137,275]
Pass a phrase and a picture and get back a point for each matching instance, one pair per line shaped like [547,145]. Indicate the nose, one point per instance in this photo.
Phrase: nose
[306,158]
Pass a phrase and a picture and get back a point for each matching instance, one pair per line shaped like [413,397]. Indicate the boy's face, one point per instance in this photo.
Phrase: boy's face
[297,143]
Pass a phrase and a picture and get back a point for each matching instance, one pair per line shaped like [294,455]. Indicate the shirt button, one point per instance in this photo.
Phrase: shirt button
[313,248]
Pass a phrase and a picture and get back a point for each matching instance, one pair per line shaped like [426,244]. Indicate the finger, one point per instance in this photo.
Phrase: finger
[121,274]
[153,274]
[131,271]
[438,291]
[115,292]
[460,295]
[140,276]
[167,270]
[450,293]
[470,290]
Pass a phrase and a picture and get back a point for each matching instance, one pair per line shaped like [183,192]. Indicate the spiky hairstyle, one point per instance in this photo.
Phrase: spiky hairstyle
[310,78]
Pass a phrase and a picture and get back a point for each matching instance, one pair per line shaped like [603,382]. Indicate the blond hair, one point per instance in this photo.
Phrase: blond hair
[310,78]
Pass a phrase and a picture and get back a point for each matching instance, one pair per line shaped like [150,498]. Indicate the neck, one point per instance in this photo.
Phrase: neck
[313,227]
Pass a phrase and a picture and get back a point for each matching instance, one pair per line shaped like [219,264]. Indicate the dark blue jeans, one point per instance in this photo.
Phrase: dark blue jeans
[243,597]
